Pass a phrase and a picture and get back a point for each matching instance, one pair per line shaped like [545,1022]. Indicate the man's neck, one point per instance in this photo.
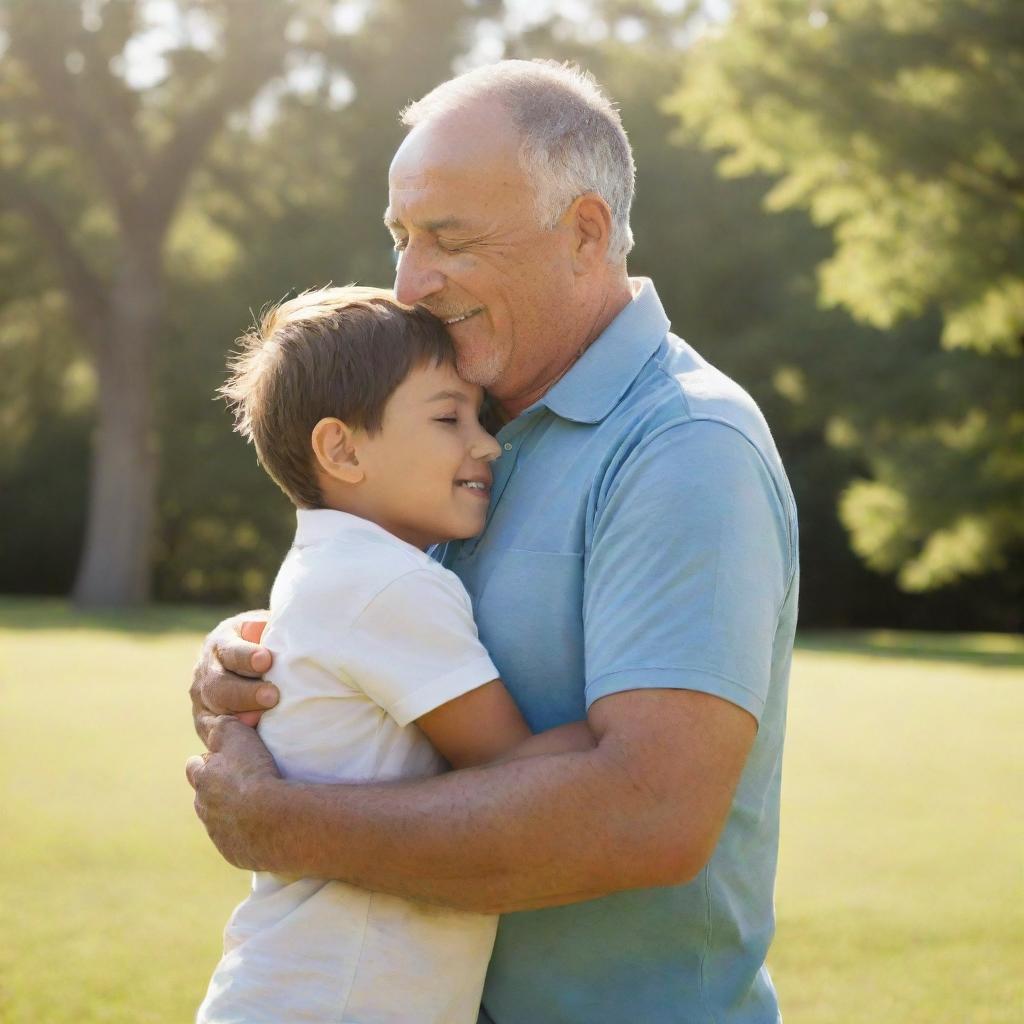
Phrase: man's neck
[613,302]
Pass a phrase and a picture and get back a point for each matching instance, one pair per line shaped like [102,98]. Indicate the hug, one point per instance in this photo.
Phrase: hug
[523,683]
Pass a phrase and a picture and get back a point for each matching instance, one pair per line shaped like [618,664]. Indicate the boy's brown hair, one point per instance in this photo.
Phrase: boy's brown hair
[337,352]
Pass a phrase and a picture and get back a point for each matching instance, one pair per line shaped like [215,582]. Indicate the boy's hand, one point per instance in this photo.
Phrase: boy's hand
[223,679]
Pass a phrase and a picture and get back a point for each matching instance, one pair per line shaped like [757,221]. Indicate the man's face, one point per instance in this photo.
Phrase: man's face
[473,251]
[427,474]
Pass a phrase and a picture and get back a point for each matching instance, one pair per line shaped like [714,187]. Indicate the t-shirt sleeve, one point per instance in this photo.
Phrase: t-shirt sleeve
[415,645]
[689,567]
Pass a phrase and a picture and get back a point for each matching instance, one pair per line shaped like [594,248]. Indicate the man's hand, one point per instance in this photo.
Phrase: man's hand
[222,681]
[643,808]
[228,781]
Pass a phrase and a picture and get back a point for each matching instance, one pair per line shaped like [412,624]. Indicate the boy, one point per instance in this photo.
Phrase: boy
[356,411]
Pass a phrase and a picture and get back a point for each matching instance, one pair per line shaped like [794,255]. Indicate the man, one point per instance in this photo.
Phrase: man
[639,567]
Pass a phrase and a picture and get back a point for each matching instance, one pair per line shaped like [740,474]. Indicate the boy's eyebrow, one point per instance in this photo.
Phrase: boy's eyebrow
[458,396]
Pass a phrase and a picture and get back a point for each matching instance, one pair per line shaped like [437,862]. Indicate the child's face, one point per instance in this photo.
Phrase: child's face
[427,474]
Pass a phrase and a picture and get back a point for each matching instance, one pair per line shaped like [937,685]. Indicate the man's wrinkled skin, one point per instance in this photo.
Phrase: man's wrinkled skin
[236,763]
[639,836]
[222,679]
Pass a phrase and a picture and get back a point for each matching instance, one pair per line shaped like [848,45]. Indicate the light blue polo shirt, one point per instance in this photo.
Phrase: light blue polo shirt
[642,533]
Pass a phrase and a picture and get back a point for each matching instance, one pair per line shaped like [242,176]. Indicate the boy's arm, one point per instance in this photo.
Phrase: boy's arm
[485,725]
[563,739]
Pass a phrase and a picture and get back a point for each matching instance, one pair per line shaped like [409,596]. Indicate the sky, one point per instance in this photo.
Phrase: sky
[144,63]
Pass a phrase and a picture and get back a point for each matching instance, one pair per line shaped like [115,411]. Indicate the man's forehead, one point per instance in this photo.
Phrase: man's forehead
[419,171]
[443,201]
[417,190]
[414,180]
[455,145]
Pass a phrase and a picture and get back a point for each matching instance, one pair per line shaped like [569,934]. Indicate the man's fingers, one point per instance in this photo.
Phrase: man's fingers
[217,731]
[235,693]
[193,766]
[228,694]
[222,730]
[204,722]
[242,657]
[222,678]
[222,694]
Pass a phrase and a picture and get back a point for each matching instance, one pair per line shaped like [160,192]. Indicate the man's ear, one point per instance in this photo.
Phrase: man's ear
[591,221]
[335,450]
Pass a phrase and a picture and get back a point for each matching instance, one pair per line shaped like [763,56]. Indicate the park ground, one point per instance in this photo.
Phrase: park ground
[900,894]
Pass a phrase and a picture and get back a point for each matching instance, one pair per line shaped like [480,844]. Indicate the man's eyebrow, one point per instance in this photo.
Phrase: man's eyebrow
[444,224]
[439,224]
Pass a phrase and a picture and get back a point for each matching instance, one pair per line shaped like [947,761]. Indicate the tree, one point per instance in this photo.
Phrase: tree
[899,125]
[291,196]
[89,158]
[296,204]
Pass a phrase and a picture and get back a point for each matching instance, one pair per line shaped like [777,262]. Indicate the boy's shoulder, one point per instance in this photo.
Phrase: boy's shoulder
[344,566]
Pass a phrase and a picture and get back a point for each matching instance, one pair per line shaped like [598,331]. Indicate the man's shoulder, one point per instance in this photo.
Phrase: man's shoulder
[683,418]
[679,390]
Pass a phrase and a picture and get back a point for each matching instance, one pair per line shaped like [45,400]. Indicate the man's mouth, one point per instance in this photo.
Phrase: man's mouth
[448,321]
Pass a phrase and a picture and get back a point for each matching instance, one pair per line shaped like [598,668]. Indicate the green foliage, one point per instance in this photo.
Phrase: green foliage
[899,126]
[740,286]
[293,197]
[295,204]
[268,209]
[46,395]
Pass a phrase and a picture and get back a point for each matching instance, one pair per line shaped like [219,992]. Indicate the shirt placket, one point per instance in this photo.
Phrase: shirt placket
[511,438]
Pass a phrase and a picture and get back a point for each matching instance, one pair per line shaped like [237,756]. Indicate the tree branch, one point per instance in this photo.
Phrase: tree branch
[64,102]
[85,289]
[255,55]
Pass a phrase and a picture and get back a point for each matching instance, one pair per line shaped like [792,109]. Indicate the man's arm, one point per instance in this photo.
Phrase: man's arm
[678,670]
[481,726]
[643,808]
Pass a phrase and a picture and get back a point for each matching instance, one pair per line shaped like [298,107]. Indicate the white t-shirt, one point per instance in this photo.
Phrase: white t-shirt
[368,633]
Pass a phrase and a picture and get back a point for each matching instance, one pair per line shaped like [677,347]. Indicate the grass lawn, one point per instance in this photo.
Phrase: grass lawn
[900,895]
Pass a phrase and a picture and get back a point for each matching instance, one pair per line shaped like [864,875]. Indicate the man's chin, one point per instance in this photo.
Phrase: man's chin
[481,371]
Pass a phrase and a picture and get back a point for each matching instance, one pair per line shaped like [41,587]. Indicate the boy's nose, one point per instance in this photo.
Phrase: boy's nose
[486,449]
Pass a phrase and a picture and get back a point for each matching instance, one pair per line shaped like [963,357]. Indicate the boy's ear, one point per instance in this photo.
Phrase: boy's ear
[335,450]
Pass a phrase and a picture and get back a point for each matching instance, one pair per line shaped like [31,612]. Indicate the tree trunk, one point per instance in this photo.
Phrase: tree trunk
[114,570]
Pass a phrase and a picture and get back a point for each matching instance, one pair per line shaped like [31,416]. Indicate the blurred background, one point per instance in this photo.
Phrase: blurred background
[830,199]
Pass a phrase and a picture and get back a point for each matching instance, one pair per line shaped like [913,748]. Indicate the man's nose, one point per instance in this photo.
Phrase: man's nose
[415,280]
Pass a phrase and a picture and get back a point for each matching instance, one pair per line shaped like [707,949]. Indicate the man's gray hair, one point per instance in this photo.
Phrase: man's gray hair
[572,137]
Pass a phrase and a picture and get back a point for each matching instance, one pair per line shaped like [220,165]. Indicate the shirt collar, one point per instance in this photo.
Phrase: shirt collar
[314,525]
[601,376]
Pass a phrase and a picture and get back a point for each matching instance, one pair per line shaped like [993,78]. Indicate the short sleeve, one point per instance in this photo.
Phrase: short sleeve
[415,645]
[688,570]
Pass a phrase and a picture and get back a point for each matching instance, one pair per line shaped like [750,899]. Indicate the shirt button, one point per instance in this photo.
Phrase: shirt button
[508,446]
